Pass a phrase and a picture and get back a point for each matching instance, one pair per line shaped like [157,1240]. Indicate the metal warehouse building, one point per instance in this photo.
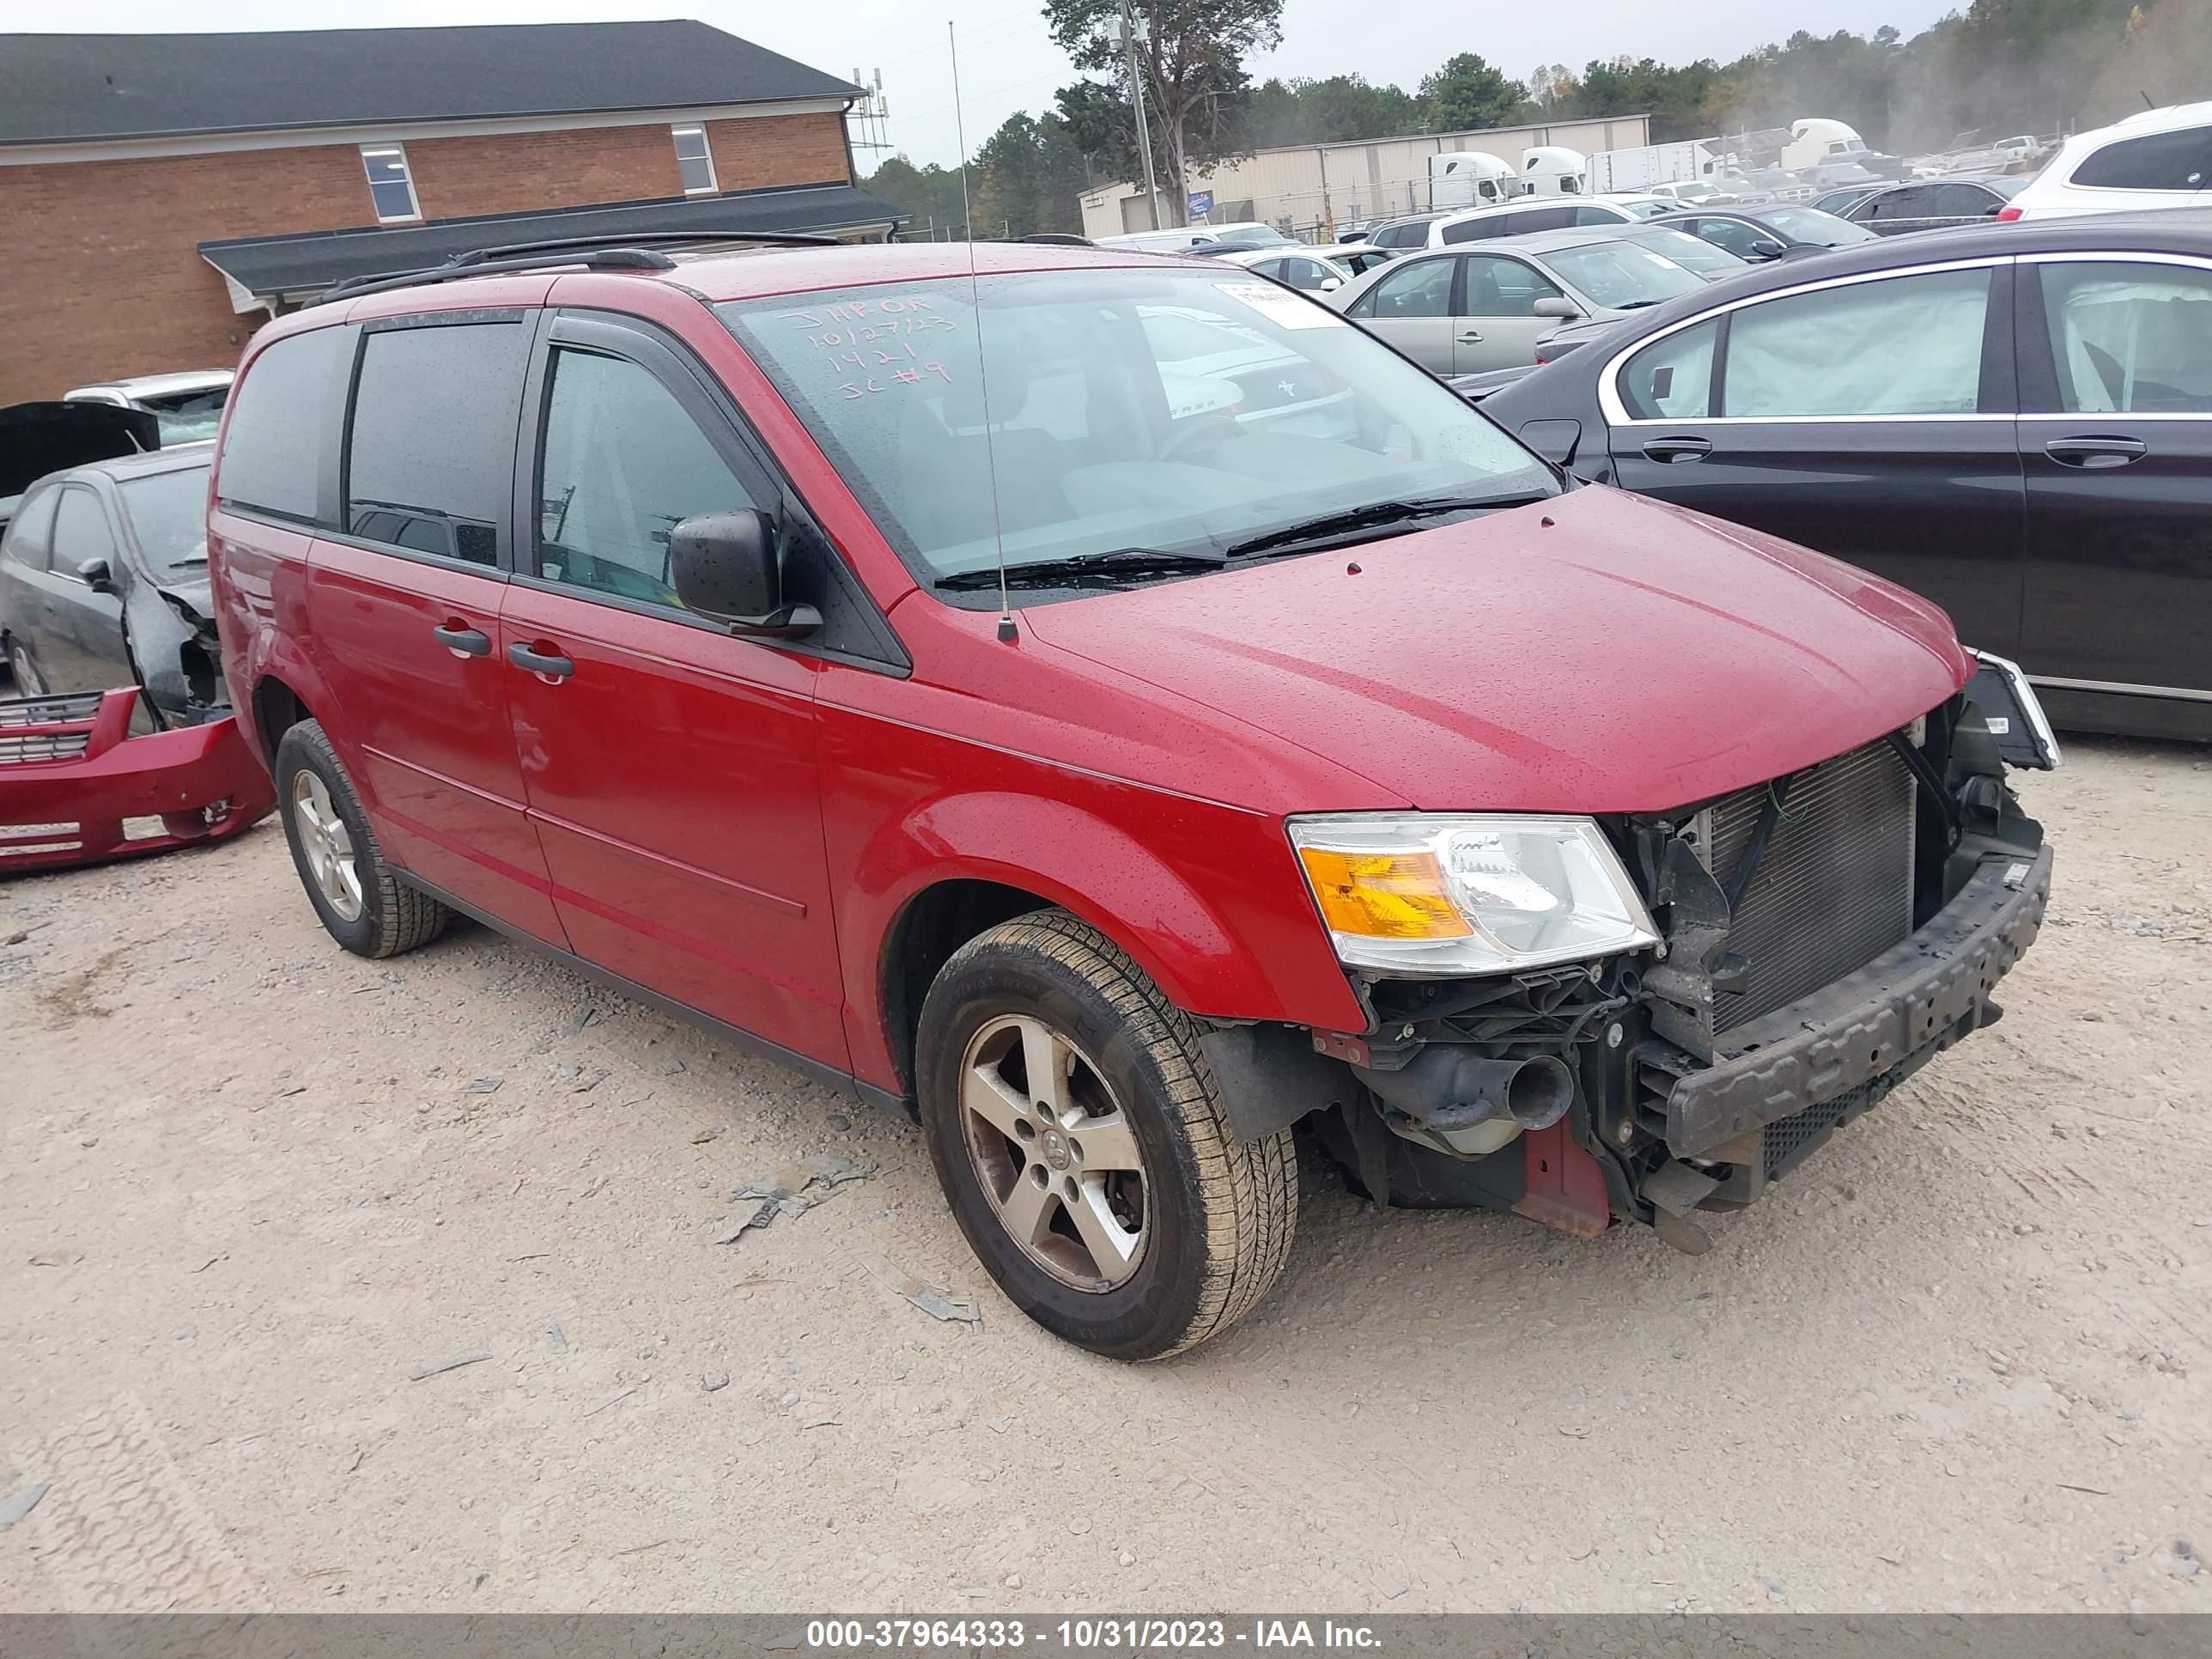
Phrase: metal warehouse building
[1306,187]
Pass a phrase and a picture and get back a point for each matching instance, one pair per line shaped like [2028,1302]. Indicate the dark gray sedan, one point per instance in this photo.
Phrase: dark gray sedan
[104,583]
[1933,203]
[2014,420]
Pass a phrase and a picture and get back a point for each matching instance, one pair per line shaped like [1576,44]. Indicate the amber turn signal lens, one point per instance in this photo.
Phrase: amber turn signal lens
[1383,894]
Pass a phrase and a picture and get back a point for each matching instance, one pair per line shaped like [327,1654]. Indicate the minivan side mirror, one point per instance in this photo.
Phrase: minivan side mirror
[724,566]
[95,575]
[1553,304]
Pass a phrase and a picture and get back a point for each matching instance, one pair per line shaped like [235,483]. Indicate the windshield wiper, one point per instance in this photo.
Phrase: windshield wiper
[1086,569]
[1313,532]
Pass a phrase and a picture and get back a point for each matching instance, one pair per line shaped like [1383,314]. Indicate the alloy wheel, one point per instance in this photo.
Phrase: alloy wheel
[327,845]
[1055,1153]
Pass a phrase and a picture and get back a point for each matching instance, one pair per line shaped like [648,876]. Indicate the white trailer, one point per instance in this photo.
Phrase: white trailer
[1618,172]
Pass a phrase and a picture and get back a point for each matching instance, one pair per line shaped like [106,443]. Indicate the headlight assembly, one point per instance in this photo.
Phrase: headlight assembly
[1431,894]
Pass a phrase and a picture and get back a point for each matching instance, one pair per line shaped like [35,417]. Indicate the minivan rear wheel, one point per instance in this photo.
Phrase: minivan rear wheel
[1079,1138]
[363,905]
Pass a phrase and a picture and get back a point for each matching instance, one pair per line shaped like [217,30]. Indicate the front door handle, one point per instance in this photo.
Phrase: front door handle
[463,640]
[2096,453]
[1674,451]
[1470,337]
[550,664]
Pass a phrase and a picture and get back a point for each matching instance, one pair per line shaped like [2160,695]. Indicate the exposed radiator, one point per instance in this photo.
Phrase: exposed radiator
[1834,887]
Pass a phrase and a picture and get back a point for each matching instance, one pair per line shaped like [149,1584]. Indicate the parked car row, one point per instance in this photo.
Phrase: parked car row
[1458,311]
[2015,421]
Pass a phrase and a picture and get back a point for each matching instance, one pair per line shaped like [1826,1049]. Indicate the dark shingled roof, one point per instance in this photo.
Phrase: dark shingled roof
[315,259]
[60,87]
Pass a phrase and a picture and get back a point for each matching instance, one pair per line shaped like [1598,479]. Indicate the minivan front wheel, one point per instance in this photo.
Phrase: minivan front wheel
[362,904]
[1076,1131]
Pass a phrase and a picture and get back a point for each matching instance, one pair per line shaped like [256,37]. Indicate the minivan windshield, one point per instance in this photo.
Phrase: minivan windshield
[1162,421]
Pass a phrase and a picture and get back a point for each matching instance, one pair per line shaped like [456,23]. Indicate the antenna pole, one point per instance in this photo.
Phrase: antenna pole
[1007,633]
[1144,127]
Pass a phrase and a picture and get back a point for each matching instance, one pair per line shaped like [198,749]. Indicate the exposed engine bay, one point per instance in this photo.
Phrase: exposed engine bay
[1823,936]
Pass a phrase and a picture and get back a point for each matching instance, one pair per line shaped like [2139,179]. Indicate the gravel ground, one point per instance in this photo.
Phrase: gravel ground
[252,1187]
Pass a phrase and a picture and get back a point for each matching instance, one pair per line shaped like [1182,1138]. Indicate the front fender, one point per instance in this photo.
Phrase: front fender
[1206,899]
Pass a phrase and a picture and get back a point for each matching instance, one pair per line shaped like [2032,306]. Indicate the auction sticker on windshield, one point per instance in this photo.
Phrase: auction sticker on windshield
[1281,306]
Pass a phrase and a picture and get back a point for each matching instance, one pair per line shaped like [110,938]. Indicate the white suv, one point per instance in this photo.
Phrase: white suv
[1533,213]
[2160,158]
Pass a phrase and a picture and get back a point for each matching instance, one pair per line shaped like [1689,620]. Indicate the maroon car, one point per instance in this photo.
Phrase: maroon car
[928,676]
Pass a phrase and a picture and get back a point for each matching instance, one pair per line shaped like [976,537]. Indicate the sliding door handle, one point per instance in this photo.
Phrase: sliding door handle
[550,664]
[463,642]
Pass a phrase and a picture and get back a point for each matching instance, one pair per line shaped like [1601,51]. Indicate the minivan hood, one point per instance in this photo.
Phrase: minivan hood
[1597,653]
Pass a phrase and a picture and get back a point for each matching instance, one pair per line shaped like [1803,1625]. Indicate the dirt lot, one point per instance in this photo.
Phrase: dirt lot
[251,1186]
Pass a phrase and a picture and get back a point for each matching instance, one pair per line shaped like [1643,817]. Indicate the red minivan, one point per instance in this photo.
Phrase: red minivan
[1116,710]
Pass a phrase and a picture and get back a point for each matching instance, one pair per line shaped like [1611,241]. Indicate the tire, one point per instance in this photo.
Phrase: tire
[27,682]
[1213,1217]
[362,904]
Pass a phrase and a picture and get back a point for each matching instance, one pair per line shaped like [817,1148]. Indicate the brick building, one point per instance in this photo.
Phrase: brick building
[162,195]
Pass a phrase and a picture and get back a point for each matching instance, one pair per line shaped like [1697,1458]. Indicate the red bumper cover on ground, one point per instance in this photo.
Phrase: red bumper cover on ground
[72,776]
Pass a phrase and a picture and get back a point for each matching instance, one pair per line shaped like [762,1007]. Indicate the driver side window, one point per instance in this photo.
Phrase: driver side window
[1500,287]
[623,464]
[1422,289]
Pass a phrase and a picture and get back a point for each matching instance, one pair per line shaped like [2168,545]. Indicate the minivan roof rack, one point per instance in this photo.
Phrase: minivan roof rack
[631,252]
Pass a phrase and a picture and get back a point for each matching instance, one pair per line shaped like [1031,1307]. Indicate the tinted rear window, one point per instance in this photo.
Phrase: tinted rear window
[1548,218]
[272,455]
[431,464]
[2160,161]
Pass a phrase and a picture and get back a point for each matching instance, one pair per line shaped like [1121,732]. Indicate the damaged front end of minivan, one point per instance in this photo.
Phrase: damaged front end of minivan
[1775,962]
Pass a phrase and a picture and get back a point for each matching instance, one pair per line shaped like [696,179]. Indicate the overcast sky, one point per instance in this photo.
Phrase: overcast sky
[1007,63]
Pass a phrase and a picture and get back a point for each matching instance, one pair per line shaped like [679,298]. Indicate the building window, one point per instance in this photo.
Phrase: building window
[390,186]
[693,161]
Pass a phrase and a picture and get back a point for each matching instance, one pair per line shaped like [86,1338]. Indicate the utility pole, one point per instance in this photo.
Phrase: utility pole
[1144,128]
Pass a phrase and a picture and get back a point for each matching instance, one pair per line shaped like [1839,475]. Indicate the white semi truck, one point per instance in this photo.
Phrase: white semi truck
[1469,177]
